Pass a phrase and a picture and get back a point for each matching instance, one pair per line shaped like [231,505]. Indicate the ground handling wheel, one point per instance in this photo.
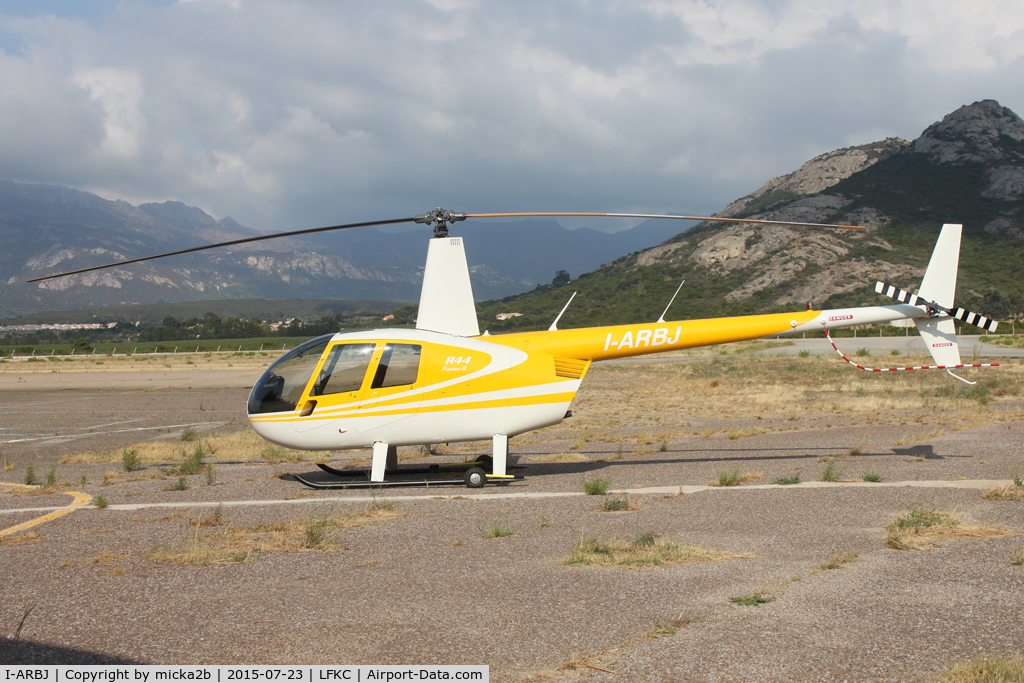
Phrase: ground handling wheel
[475,478]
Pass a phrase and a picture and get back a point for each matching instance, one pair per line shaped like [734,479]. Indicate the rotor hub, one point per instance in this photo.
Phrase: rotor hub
[440,218]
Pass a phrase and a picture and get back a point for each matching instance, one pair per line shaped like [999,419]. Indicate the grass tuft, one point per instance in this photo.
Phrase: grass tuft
[30,476]
[832,471]
[986,670]
[1004,493]
[225,544]
[727,478]
[180,485]
[872,477]
[916,529]
[314,531]
[598,486]
[617,504]
[788,481]
[189,434]
[670,627]
[753,600]
[21,539]
[499,529]
[1018,557]
[101,502]
[734,478]
[561,457]
[839,560]
[647,550]
[382,505]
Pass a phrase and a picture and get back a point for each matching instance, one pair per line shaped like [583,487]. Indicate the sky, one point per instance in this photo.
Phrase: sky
[287,115]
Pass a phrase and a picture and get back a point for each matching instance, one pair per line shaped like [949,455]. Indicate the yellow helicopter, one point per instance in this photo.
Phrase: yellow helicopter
[444,382]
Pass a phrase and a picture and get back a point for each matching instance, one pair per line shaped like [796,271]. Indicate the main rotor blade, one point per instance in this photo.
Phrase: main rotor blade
[244,240]
[656,215]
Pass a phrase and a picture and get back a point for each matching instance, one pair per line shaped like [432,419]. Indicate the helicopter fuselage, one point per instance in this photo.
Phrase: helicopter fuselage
[409,387]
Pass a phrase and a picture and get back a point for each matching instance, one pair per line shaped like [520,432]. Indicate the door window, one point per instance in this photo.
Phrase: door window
[399,365]
[344,369]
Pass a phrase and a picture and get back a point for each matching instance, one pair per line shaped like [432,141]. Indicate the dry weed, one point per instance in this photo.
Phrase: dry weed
[560,457]
[620,396]
[733,434]
[245,446]
[21,539]
[986,670]
[104,557]
[1005,493]
[227,544]
[909,439]
[918,528]
[648,550]
[838,561]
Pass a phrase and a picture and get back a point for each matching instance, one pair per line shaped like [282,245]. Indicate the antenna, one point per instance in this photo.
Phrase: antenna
[554,325]
[662,318]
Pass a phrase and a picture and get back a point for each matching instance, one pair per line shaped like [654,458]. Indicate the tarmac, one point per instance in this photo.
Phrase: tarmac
[429,586]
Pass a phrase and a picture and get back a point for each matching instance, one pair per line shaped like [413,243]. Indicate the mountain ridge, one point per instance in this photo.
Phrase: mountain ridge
[962,169]
[47,228]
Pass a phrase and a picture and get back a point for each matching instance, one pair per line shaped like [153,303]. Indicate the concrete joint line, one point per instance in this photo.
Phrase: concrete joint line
[651,490]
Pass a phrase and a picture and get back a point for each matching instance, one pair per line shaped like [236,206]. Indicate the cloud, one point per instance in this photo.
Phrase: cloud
[290,115]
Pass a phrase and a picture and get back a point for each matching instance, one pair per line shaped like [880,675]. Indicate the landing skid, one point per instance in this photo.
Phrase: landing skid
[443,474]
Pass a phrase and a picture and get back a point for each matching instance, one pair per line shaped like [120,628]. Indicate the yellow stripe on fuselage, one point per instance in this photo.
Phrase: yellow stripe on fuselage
[624,341]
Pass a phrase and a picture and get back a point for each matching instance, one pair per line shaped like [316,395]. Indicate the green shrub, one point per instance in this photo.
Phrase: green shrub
[597,486]
[130,460]
[192,464]
[727,478]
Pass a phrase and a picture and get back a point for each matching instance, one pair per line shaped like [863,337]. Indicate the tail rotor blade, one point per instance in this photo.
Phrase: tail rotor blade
[975,319]
[900,295]
[914,300]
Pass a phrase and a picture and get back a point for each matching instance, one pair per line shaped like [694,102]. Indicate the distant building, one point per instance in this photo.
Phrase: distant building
[275,326]
[506,316]
[389,317]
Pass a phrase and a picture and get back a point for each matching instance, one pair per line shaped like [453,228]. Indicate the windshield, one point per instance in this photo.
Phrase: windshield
[280,387]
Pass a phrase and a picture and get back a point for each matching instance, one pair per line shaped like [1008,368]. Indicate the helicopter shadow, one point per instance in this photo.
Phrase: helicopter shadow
[926,451]
[29,652]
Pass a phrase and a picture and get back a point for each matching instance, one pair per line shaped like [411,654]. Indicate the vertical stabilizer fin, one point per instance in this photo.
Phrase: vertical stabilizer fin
[446,300]
[939,283]
[939,337]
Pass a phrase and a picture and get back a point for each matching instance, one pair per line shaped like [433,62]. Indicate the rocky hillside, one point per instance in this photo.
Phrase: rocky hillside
[967,168]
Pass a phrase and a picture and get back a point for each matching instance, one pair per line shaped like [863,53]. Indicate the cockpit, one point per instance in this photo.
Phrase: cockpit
[343,372]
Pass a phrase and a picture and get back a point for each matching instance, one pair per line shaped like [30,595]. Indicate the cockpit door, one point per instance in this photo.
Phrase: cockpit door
[393,391]
[336,390]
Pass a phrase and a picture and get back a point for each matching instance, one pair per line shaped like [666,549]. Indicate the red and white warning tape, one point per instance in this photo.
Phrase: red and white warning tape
[916,367]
